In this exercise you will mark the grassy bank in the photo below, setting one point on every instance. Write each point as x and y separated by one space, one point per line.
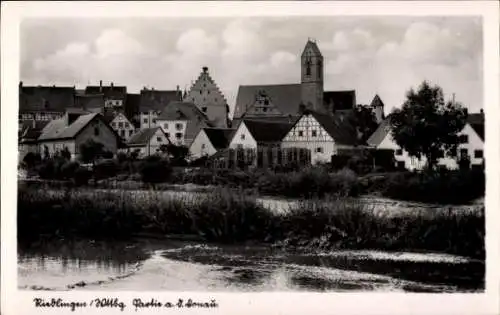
228 217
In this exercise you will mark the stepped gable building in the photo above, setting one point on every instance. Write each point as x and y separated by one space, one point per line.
44 102
287 99
207 96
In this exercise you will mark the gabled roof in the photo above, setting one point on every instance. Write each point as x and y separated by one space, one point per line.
313 46
341 131
376 102
219 137
181 111
107 90
31 130
58 128
156 100
143 136
89 101
476 121
286 97
265 131
45 98
339 100
380 133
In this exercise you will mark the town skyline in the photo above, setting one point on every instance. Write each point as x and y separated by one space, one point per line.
371 55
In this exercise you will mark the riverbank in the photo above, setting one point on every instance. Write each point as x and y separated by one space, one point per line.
229 217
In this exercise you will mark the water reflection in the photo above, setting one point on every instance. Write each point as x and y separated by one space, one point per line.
169 265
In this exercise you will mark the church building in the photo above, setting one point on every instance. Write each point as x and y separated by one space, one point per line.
266 101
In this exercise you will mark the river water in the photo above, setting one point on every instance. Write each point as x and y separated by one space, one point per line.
145 264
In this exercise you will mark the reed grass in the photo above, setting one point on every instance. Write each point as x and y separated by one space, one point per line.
226 216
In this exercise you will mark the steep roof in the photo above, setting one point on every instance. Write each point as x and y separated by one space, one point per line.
58 128
156 100
45 98
143 136
107 90
132 104
313 46
380 133
341 131
286 97
31 130
376 102
476 121
219 137
339 100
177 110
265 131
89 101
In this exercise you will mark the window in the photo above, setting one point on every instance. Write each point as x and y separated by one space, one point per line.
320 67
464 138
167 134
145 120
266 102
127 125
464 153
242 137
120 124
178 135
165 126
204 85
96 131
113 124
399 152
122 133
130 133
203 146
478 154
301 133
204 109
319 150
216 99
201 92
159 139
308 67
314 133
178 126
192 99
208 91
154 121
264 109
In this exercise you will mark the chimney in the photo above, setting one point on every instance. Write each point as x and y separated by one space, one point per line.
481 111
111 84
100 85
205 69
20 84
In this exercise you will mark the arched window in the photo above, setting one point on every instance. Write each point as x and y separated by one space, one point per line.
320 68
308 67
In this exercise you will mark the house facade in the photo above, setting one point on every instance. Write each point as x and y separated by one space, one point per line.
147 142
209 141
123 127
73 130
252 134
321 134
472 146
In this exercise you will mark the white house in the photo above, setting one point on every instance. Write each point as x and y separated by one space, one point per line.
147 142
324 135
74 129
252 134
123 127
473 144
210 140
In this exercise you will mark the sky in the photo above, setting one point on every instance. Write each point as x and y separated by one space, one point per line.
384 55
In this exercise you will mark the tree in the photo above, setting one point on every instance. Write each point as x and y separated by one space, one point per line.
365 121
426 125
178 154
66 154
90 150
154 170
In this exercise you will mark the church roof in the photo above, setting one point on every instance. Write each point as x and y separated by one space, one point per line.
340 100
314 47
286 97
376 102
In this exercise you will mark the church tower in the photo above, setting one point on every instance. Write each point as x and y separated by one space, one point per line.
312 77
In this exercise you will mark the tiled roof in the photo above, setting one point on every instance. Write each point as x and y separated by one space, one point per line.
143 136
313 46
58 128
286 97
132 104
376 102
90 102
219 137
45 98
107 90
265 131
380 133
156 100
342 132
476 121
31 130
339 100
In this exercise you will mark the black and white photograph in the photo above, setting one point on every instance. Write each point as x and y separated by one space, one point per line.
250 154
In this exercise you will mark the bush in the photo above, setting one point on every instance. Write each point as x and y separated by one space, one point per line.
68 169
31 159
82 176
105 169
154 170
